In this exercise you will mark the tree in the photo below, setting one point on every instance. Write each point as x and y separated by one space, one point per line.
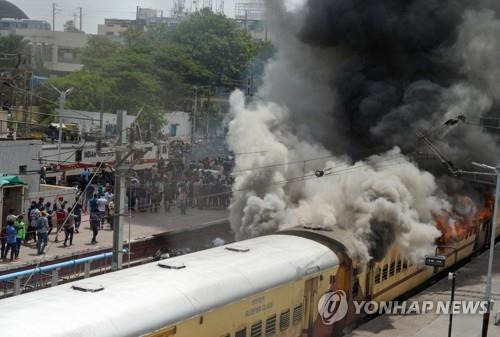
99 49
156 70
69 26
13 44
216 43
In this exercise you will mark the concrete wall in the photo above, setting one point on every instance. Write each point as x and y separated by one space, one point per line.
50 193
183 122
15 153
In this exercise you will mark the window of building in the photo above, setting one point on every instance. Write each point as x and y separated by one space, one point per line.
271 326
398 266
23 169
110 33
297 315
285 320
241 333
405 264
256 329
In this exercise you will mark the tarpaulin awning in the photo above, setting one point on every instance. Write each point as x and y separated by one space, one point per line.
10 180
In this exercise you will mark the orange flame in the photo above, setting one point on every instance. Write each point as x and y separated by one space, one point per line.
455 225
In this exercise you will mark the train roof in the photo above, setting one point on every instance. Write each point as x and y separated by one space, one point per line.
145 298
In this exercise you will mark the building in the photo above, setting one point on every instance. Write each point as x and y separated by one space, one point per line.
251 16
114 28
58 51
146 18
22 155
89 121
13 24
8 10
178 125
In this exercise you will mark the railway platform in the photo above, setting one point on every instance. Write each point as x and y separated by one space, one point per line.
142 226
470 285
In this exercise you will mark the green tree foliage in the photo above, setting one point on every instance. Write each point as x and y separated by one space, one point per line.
12 44
216 43
69 26
157 70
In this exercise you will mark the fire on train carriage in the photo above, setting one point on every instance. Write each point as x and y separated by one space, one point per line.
274 285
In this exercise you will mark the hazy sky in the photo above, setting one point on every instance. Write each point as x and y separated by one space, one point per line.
95 11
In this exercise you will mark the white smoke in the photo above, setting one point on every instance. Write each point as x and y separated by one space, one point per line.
382 200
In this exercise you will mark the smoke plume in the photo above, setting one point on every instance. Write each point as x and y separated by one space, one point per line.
350 86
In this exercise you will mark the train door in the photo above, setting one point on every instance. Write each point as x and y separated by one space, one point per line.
310 305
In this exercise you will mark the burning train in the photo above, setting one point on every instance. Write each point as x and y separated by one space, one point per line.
266 286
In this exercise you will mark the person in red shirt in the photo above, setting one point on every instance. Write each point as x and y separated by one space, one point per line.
61 215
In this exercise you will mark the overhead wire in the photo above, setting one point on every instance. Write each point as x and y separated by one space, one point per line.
94 174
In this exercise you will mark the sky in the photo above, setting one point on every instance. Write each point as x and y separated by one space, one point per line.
95 11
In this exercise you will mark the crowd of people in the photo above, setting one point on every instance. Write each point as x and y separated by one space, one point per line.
202 184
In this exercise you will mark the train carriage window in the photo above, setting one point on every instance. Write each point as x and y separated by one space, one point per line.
241 333
398 266
378 273
392 268
256 330
385 272
355 288
297 315
271 326
284 320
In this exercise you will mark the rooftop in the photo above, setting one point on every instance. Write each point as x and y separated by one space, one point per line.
8 10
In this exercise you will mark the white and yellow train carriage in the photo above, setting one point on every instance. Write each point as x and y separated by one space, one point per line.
252 288
263 287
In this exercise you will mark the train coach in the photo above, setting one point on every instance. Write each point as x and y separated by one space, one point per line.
273 285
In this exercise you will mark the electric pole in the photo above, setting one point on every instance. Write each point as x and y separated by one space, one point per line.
54 16
120 189
81 16
487 297
62 102
193 119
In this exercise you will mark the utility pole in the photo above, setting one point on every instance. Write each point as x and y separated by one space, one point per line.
193 119
54 16
120 190
81 16
487 296
62 102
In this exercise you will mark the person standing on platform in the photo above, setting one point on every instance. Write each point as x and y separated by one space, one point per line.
21 234
11 216
69 228
11 240
102 204
42 230
77 211
111 213
93 204
95 224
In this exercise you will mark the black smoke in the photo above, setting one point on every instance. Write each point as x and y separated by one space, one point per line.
400 71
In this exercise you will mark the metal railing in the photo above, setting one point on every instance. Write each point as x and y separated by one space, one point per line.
50 276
